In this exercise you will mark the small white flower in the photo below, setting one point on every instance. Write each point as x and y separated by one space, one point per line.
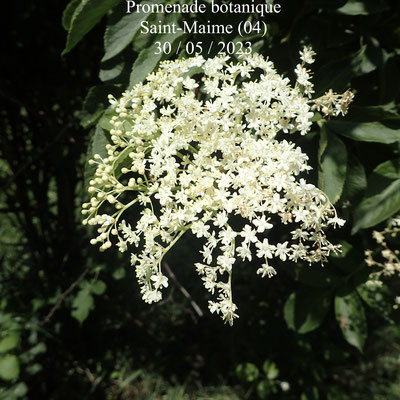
307 55
159 280
282 250
266 270
265 249
262 224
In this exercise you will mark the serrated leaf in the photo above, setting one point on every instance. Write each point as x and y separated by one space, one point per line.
121 31
350 316
145 63
68 13
98 287
109 73
9 343
82 304
305 309
116 71
9 367
148 60
86 15
96 102
382 198
333 165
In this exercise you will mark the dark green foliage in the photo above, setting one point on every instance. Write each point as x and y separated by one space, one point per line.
72 323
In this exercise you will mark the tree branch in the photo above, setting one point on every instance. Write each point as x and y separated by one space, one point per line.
195 306
62 297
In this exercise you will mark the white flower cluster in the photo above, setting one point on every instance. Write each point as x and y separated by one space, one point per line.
385 261
195 147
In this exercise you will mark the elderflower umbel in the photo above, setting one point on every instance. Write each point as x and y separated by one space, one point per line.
196 144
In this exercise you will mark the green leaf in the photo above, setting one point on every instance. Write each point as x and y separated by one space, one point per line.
382 198
147 60
9 343
38 349
145 63
119 273
247 372
368 124
97 145
113 72
117 70
311 30
19 390
104 121
82 304
96 102
121 161
350 316
9 367
99 287
364 7
264 389
338 73
365 131
314 276
356 180
378 298
305 309
270 369
121 31
389 169
323 143
333 165
33 369
68 13
390 81
349 260
86 15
